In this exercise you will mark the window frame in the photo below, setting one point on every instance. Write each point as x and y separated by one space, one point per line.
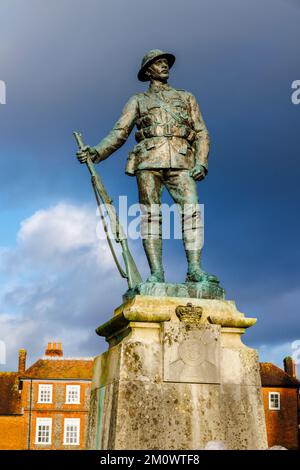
68 387
274 408
37 424
67 421
40 390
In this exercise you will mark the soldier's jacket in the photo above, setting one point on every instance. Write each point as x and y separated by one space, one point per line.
170 131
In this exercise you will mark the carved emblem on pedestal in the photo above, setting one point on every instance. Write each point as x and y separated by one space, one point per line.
191 354
189 313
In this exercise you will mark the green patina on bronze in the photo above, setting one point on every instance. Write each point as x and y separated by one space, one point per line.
171 151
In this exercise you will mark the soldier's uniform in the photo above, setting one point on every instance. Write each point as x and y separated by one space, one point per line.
164 142
171 139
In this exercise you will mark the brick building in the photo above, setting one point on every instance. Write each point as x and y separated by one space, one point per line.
280 389
46 406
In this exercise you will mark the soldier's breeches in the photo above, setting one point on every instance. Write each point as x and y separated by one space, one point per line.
150 189
182 188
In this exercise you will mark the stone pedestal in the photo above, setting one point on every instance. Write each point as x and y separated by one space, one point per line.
176 375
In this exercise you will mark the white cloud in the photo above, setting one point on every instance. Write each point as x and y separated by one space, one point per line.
53 237
277 352
63 227
58 283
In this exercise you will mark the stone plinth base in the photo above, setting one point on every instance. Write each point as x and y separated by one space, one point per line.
176 375
192 290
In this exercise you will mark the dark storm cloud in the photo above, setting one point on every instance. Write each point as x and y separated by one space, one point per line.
72 64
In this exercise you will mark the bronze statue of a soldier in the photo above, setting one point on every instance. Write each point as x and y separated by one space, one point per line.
172 150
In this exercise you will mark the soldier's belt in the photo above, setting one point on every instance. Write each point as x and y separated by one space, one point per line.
166 131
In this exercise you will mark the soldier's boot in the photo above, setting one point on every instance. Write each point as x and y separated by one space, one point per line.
195 272
153 250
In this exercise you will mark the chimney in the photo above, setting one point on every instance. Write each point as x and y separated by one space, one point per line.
22 361
54 350
289 366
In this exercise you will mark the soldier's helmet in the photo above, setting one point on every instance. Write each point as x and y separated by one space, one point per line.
151 57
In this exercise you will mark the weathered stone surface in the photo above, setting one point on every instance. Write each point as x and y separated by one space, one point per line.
157 309
242 410
174 384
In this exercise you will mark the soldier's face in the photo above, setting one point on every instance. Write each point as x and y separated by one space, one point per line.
159 70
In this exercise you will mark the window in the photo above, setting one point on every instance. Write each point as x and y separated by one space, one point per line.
45 393
43 431
71 431
73 394
274 401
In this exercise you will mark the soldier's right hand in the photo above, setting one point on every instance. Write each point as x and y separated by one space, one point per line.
83 154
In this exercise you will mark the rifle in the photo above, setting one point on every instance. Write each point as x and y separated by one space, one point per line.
131 272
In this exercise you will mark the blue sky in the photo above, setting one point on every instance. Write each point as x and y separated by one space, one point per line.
72 64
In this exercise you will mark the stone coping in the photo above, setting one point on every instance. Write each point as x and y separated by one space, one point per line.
149 309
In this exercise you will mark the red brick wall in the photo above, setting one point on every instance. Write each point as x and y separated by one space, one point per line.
282 425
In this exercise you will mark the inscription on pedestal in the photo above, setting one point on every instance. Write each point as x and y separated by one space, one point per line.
191 353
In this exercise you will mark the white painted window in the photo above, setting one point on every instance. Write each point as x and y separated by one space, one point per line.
73 394
274 401
71 431
43 430
45 393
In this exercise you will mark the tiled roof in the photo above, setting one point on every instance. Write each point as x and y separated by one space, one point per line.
60 368
273 376
10 399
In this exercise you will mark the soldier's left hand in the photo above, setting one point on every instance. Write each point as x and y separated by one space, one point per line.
198 172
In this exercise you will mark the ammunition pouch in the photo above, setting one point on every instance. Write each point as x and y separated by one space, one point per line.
166 130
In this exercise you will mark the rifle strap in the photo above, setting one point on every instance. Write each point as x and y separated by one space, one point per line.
169 111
